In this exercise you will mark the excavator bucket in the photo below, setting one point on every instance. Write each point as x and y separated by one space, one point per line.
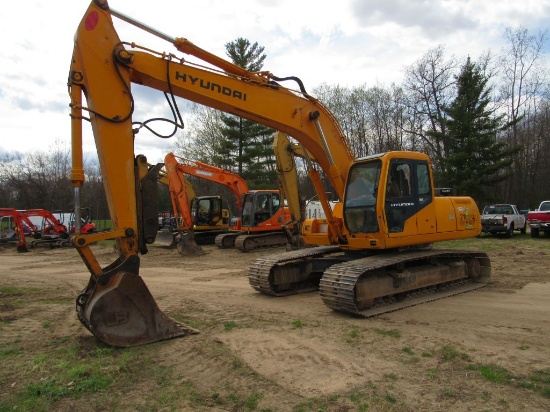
22 248
119 310
165 239
187 246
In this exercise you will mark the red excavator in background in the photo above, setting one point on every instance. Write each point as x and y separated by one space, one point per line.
38 224
14 227
86 224
51 231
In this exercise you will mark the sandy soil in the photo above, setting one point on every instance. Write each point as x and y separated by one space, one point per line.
295 348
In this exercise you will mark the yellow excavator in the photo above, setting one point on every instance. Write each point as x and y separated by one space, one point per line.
372 246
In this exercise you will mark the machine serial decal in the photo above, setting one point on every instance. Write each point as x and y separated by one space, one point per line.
226 91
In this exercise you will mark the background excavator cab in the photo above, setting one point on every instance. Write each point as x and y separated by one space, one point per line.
259 207
207 212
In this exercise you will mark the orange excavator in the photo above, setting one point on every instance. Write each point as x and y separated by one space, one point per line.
263 215
198 218
373 253
262 212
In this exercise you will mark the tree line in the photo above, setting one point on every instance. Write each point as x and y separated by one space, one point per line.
485 124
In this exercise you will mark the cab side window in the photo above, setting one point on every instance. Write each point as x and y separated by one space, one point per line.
423 183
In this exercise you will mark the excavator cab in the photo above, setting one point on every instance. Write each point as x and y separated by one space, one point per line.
207 213
259 207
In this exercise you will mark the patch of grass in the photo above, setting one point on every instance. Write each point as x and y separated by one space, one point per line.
229 326
297 324
13 291
393 333
433 373
390 398
63 372
538 381
248 403
523 347
352 335
391 376
494 373
408 350
359 398
411 361
541 376
9 350
494 243
449 353
449 392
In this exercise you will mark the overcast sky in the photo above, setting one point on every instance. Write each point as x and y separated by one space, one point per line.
346 42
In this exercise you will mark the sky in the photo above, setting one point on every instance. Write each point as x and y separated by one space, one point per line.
345 42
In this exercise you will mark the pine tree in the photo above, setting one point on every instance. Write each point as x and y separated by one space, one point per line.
476 159
247 143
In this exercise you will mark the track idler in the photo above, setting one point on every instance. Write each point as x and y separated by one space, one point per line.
119 310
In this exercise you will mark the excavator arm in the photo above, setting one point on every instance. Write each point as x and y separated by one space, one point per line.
177 185
202 170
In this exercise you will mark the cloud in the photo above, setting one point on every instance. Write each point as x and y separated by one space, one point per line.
350 42
433 17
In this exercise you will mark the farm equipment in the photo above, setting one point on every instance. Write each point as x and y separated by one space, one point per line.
373 253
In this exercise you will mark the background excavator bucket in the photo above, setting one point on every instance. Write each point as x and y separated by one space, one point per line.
165 239
22 248
122 312
187 245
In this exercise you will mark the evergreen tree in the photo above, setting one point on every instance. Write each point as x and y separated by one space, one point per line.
247 143
476 158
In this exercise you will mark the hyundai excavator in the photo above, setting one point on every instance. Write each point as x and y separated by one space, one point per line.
372 252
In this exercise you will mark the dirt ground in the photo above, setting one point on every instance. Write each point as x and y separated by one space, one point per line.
300 355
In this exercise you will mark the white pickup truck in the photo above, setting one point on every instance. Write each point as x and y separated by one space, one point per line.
502 218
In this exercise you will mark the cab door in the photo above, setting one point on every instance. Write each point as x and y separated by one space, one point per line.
401 201
425 215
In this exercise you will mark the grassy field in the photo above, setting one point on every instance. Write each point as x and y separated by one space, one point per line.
46 372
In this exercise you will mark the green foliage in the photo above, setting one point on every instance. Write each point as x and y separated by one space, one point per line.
391 333
494 373
449 353
297 324
245 145
408 350
229 326
474 158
